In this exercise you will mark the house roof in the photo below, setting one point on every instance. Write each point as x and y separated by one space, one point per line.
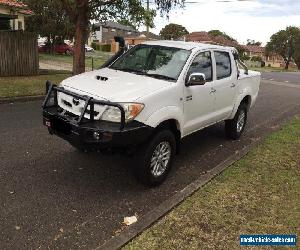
254 48
201 36
114 25
23 8
150 35
187 45
204 37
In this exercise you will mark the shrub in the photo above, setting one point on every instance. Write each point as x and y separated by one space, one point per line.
105 47
245 58
256 59
94 45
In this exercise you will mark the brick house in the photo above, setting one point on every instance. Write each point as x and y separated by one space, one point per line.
12 15
255 51
204 37
105 32
200 37
271 59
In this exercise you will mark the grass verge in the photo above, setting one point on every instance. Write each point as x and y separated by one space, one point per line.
35 85
27 85
259 194
98 57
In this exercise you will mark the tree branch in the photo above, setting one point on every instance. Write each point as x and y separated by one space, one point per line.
70 11
98 4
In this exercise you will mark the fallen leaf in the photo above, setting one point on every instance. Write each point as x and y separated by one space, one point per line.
130 220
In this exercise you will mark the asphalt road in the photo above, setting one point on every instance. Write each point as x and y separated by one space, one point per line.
53 197
288 77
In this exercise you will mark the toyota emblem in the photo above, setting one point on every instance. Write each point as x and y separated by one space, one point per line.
75 101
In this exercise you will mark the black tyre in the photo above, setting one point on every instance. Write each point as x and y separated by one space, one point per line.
235 127
155 159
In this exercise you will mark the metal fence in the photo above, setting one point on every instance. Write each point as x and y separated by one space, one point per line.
18 53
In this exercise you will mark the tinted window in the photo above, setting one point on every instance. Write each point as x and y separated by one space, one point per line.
223 64
202 64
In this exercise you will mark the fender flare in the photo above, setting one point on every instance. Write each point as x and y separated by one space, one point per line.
240 97
164 114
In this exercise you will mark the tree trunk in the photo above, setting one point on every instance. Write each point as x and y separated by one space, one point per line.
287 63
80 37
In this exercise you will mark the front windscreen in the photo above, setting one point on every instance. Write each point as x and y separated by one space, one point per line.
153 61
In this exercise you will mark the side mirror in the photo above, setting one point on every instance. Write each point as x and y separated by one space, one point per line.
196 79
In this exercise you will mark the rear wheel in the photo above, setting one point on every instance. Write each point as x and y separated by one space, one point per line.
235 127
155 159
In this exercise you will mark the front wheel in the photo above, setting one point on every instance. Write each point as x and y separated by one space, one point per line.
235 127
155 159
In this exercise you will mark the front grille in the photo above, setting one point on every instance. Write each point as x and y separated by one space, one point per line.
67 103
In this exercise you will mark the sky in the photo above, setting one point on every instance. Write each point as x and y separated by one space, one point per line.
242 20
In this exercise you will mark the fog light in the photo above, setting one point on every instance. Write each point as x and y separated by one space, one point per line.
107 136
96 135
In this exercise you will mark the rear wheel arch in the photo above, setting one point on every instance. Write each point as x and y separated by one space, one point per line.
240 100
246 100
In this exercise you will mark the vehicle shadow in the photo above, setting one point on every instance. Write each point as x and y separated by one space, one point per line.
113 172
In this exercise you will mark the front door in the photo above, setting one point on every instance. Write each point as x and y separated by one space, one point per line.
199 100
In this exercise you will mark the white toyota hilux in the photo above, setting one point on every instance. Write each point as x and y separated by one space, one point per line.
150 97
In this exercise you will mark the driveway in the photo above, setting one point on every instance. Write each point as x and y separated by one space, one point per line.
55 197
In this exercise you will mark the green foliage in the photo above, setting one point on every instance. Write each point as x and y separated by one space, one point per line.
296 55
131 11
215 33
49 20
94 45
284 43
101 47
105 47
253 42
173 31
244 57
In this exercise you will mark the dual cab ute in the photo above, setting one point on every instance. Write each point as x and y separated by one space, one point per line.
150 97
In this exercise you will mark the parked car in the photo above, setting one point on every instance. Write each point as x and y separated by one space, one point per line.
61 48
88 48
150 98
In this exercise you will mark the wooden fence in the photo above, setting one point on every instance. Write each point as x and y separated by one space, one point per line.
18 53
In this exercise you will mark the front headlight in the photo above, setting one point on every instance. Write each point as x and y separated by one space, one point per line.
113 114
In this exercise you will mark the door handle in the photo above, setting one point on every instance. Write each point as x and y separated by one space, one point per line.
213 90
232 85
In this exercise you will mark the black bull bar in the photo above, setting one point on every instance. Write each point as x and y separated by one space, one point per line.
89 102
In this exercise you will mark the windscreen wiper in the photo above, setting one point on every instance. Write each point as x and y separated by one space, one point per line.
138 72
158 76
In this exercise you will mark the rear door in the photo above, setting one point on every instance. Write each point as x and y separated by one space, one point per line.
225 84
